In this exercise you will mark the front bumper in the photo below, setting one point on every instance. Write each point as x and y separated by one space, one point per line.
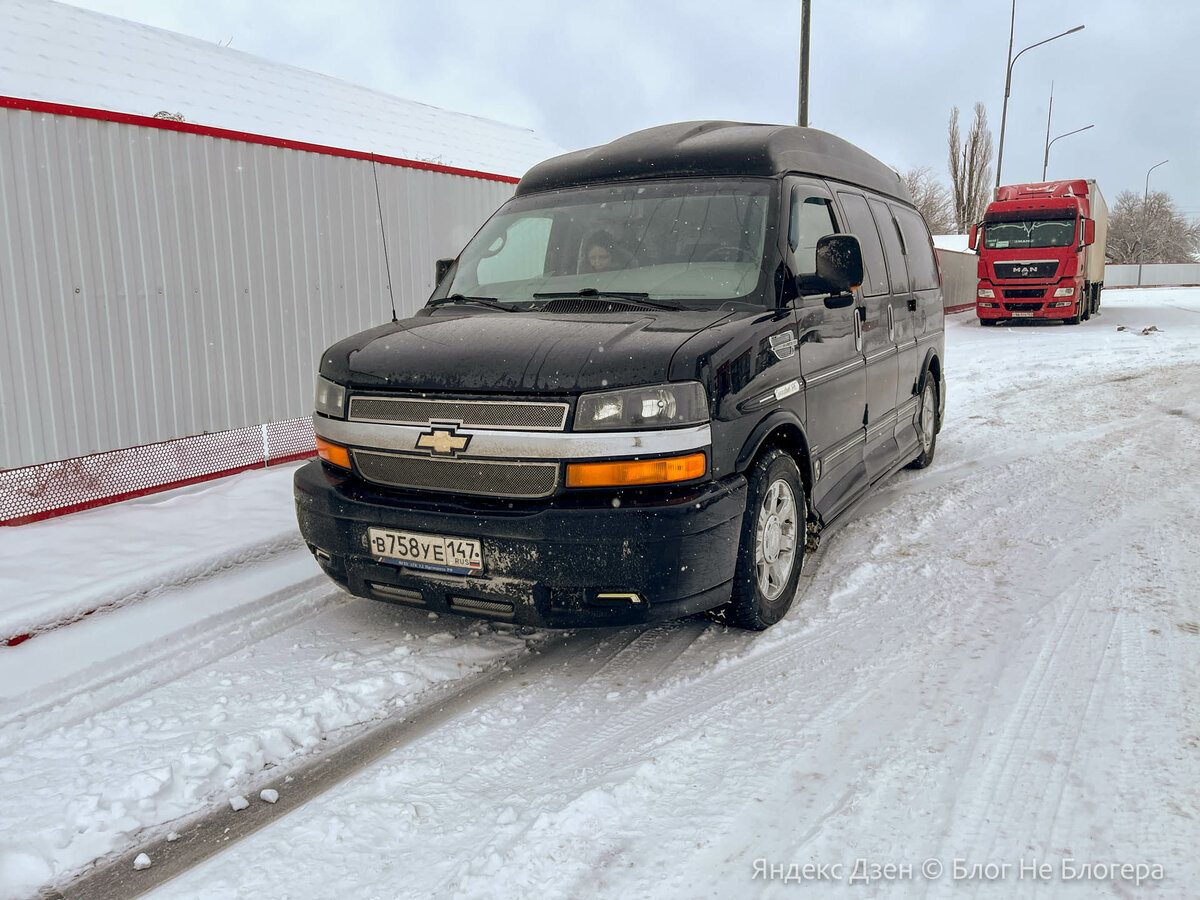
1044 305
543 564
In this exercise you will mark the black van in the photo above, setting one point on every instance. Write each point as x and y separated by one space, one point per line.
642 389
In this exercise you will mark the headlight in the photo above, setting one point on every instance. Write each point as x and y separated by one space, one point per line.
1065 292
656 406
331 399
985 292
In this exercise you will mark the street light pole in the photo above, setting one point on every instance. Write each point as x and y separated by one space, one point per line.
1049 113
805 17
1046 160
1142 237
1008 83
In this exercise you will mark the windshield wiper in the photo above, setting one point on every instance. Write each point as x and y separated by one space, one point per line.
637 298
489 302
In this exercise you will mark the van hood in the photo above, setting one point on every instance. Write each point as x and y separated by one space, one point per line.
526 352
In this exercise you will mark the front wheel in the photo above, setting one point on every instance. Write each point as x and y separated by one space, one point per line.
926 423
774 531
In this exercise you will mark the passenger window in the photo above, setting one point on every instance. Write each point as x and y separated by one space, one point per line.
811 220
862 226
891 245
519 253
922 266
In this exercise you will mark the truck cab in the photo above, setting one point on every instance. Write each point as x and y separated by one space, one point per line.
641 391
1041 253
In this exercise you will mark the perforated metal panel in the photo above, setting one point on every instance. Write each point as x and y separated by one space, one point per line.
37 492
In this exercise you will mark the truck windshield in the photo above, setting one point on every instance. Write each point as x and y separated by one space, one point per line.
1039 233
696 242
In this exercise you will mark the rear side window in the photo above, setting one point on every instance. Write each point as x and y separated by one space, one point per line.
922 267
891 245
811 220
862 226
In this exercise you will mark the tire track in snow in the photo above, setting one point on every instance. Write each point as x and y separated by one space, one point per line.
214 832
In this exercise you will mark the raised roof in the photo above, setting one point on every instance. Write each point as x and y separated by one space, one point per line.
717 148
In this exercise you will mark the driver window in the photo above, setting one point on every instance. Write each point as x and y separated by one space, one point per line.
519 253
811 220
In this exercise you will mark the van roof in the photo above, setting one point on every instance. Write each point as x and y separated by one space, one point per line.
716 148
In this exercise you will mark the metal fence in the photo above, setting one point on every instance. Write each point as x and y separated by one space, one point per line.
160 280
1156 275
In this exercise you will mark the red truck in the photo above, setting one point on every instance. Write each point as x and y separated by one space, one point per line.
1041 252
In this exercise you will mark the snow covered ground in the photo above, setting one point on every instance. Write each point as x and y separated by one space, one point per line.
994 665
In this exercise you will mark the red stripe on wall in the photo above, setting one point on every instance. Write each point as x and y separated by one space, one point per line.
106 115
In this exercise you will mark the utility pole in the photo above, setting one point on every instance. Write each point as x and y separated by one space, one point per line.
805 17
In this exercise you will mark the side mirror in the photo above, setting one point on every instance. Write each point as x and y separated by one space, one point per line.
1089 232
840 262
973 237
441 267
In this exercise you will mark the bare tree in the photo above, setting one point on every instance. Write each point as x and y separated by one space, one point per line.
932 198
970 168
1150 232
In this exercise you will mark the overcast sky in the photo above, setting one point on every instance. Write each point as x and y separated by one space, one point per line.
884 73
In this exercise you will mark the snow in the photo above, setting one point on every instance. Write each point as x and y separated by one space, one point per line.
994 663
63 54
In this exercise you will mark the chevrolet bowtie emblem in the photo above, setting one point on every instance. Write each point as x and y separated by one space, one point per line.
443 441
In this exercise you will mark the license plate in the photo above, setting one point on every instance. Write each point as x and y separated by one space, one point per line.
1018 314
435 552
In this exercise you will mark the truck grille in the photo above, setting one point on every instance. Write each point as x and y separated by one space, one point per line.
1022 307
1026 294
479 477
503 415
1038 268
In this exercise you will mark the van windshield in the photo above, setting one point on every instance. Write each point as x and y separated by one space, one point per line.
1040 233
696 242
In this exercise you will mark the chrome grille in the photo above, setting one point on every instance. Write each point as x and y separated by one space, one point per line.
1025 293
479 477
1022 307
499 414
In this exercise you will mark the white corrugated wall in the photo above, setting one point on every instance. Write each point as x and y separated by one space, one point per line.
156 284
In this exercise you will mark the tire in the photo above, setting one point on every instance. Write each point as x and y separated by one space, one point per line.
774 533
1080 313
926 422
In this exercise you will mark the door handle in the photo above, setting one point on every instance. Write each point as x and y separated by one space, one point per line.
862 313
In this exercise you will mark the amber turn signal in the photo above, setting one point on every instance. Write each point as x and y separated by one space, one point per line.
642 471
335 454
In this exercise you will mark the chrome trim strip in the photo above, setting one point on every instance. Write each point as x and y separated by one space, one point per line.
882 354
908 406
840 369
848 444
888 421
520 445
932 336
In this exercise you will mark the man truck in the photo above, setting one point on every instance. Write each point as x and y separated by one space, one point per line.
1041 252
